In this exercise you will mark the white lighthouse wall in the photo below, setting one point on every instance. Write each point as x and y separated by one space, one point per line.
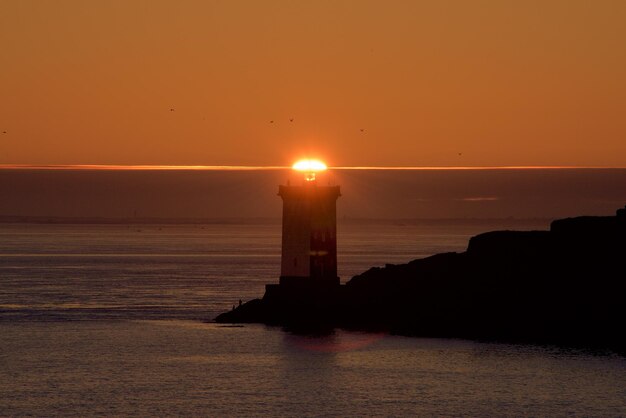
323 259
296 243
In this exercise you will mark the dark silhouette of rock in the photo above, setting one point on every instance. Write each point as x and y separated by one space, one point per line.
566 285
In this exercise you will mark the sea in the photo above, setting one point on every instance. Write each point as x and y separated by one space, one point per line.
117 320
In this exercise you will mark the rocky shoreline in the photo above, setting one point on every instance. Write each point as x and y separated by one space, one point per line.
563 285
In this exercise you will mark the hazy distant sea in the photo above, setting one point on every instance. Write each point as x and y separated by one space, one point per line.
109 320
366 194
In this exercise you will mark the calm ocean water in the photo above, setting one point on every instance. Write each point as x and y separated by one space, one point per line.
101 320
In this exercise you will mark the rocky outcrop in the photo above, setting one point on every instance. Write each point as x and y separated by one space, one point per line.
567 285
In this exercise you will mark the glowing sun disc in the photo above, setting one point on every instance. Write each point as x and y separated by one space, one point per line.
310 166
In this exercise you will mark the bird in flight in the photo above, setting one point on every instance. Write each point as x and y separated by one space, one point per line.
290 119
362 129
271 121
171 109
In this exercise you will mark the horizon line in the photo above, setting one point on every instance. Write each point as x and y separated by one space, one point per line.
147 167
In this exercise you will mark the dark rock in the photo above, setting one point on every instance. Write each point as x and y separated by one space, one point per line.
566 285
251 311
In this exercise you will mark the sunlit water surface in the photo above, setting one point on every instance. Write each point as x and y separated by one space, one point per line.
108 320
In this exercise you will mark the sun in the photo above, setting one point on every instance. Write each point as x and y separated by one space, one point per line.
310 167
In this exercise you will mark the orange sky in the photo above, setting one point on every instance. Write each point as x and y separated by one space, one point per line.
500 82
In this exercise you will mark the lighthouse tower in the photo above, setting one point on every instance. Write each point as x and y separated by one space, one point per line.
309 235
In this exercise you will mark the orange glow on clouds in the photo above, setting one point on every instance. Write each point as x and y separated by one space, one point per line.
364 83
111 167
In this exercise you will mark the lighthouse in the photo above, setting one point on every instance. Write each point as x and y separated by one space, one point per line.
309 229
